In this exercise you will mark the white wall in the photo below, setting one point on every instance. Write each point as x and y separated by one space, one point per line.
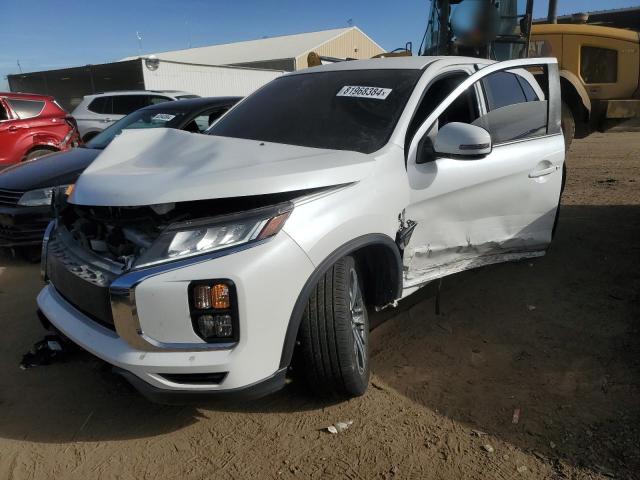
206 80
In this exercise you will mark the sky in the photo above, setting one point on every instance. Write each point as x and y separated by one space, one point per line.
67 33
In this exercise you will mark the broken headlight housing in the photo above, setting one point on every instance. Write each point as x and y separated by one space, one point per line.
197 237
39 197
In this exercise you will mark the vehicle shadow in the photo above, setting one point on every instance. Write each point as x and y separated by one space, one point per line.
542 354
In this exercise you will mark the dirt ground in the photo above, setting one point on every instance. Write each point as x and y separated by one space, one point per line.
556 339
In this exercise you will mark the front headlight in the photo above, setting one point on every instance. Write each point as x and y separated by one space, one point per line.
40 197
188 239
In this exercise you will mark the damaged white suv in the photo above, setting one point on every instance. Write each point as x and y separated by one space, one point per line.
203 264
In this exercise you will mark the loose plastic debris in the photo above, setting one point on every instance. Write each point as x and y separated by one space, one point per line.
339 427
49 350
488 448
531 308
516 416
522 468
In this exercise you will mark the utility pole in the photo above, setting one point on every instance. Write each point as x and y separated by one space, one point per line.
552 15
186 23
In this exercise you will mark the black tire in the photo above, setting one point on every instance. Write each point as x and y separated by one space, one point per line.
39 152
334 334
568 125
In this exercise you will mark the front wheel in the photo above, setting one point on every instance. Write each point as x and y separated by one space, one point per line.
334 334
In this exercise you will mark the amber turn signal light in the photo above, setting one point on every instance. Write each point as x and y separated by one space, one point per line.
220 296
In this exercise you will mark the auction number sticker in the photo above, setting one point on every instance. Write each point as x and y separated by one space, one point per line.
364 92
164 117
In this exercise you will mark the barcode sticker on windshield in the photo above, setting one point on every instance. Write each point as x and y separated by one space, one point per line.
164 117
364 92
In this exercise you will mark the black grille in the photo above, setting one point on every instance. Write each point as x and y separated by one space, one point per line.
13 235
84 286
9 198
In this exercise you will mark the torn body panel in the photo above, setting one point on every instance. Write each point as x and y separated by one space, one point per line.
424 266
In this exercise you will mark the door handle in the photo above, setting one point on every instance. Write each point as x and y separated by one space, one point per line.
107 120
13 128
543 172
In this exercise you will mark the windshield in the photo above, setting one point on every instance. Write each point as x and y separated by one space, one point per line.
154 118
341 110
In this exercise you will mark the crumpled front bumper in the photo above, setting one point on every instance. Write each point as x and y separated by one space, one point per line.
268 278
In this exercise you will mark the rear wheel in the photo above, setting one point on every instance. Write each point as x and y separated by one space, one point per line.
568 125
334 334
39 152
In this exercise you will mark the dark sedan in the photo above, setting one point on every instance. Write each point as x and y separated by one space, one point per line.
26 189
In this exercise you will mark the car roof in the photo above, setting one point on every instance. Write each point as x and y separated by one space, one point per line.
394 63
188 105
25 96
172 93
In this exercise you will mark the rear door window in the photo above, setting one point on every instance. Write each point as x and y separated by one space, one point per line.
125 104
26 108
154 100
515 112
3 113
100 105
502 89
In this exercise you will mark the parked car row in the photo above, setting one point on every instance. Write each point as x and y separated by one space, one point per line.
26 189
96 112
35 125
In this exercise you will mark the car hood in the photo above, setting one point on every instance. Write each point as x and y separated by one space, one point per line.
146 167
60 168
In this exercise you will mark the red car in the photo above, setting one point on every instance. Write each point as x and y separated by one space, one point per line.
32 126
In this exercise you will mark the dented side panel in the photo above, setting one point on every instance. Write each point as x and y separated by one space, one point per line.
476 212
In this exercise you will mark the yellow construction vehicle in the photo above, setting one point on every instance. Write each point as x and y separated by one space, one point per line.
599 66
600 71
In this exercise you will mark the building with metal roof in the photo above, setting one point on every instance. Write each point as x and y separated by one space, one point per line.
230 69
286 52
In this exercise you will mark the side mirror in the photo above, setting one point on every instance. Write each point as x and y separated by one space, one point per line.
462 140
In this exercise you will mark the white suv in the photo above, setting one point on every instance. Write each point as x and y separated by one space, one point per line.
203 264
96 112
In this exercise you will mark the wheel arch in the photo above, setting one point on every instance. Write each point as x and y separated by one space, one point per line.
577 99
89 135
40 146
369 251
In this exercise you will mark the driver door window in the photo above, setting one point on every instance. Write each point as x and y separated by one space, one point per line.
466 108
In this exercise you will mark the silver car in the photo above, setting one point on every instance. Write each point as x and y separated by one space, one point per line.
97 112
